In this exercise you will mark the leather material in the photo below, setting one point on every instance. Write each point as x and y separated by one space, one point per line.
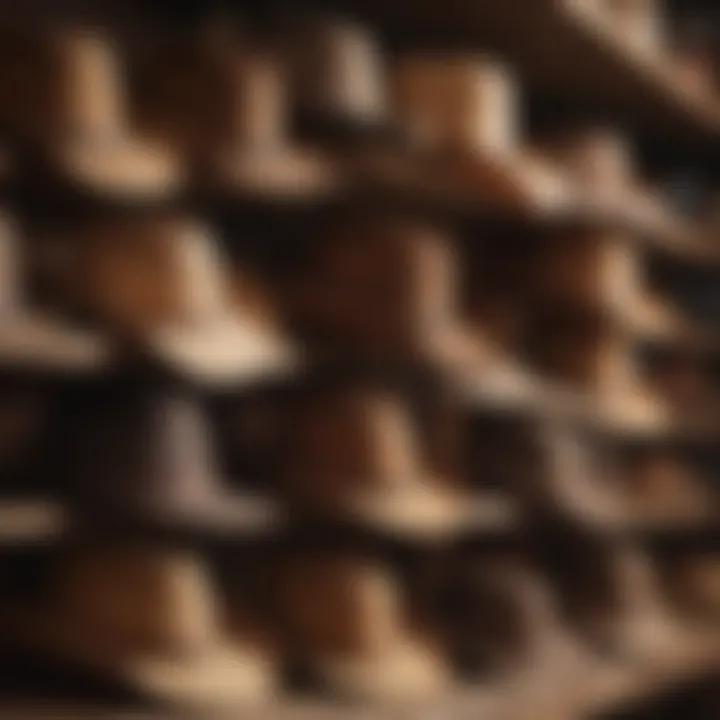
389 288
146 452
336 71
458 102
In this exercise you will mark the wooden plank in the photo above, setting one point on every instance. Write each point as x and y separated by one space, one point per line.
29 521
560 48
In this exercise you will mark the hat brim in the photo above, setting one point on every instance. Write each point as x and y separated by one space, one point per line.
554 677
654 637
44 343
686 507
222 676
598 509
517 181
619 681
483 373
696 590
286 174
660 329
640 214
504 385
227 352
216 515
126 170
568 489
649 323
426 511
640 418
31 520
407 671
502 182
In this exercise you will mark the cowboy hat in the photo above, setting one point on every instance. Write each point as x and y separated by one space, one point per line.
647 626
29 510
389 289
227 109
638 24
566 476
69 94
252 161
599 361
691 393
345 618
142 452
337 73
608 587
660 488
34 337
352 453
504 627
599 163
146 618
628 405
165 284
463 110
599 272
693 582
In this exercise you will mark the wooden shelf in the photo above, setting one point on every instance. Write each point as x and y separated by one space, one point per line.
607 688
560 48
501 188
615 687
25 523
43 345
537 396
563 51
673 236
31 521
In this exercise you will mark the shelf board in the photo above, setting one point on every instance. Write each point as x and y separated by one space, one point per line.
676 237
616 687
560 47
483 185
606 689
27 522
30 521
45 346
48 346
555 400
